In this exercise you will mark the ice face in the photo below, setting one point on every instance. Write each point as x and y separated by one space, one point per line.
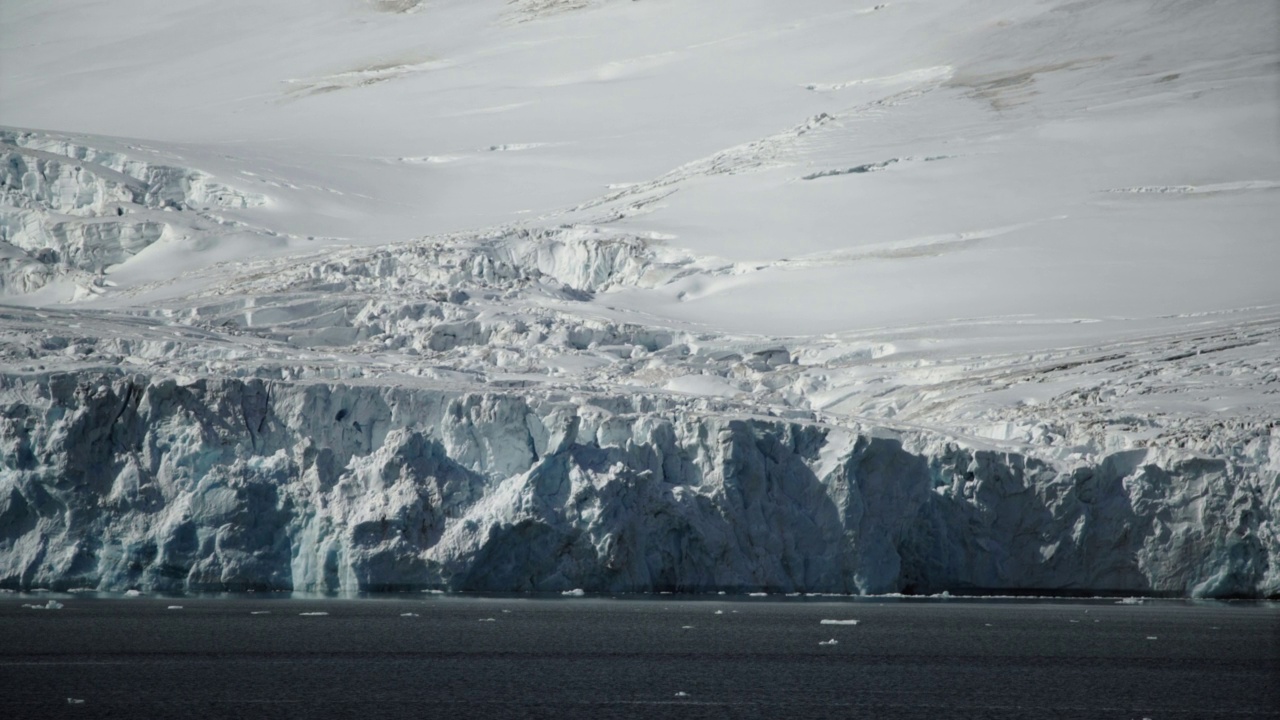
237 484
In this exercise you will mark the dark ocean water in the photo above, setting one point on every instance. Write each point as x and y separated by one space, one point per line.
629 658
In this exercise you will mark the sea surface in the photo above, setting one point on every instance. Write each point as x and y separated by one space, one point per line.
431 656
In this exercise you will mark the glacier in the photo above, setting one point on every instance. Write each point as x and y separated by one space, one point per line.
604 296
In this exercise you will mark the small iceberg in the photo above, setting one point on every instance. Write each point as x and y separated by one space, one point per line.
133 593
51 605
576 592
487 620
832 641
1130 601
686 627
838 622
174 607
259 612
313 614
682 694
719 612
758 594
408 614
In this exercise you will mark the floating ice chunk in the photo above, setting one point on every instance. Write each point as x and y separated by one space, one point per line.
313 614
51 605
719 612
408 614
720 593
686 627
576 592
838 622
759 594
434 592
682 694
132 593
175 607
259 612
487 620
832 641
1130 601
1153 637
75 701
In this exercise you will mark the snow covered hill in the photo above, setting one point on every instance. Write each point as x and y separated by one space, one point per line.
633 295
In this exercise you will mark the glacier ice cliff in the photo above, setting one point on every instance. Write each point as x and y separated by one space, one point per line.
117 480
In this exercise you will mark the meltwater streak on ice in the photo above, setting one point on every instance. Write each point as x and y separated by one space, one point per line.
677 657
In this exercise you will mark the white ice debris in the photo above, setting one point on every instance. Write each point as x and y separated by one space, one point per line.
174 607
1131 601
682 694
832 641
51 605
609 342
409 614
719 612
259 612
487 620
132 593
838 622
313 614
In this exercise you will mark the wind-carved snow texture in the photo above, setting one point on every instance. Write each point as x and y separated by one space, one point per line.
70 209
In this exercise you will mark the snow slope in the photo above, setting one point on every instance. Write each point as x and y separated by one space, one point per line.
624 295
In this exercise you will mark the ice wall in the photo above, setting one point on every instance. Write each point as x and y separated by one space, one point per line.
120 481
